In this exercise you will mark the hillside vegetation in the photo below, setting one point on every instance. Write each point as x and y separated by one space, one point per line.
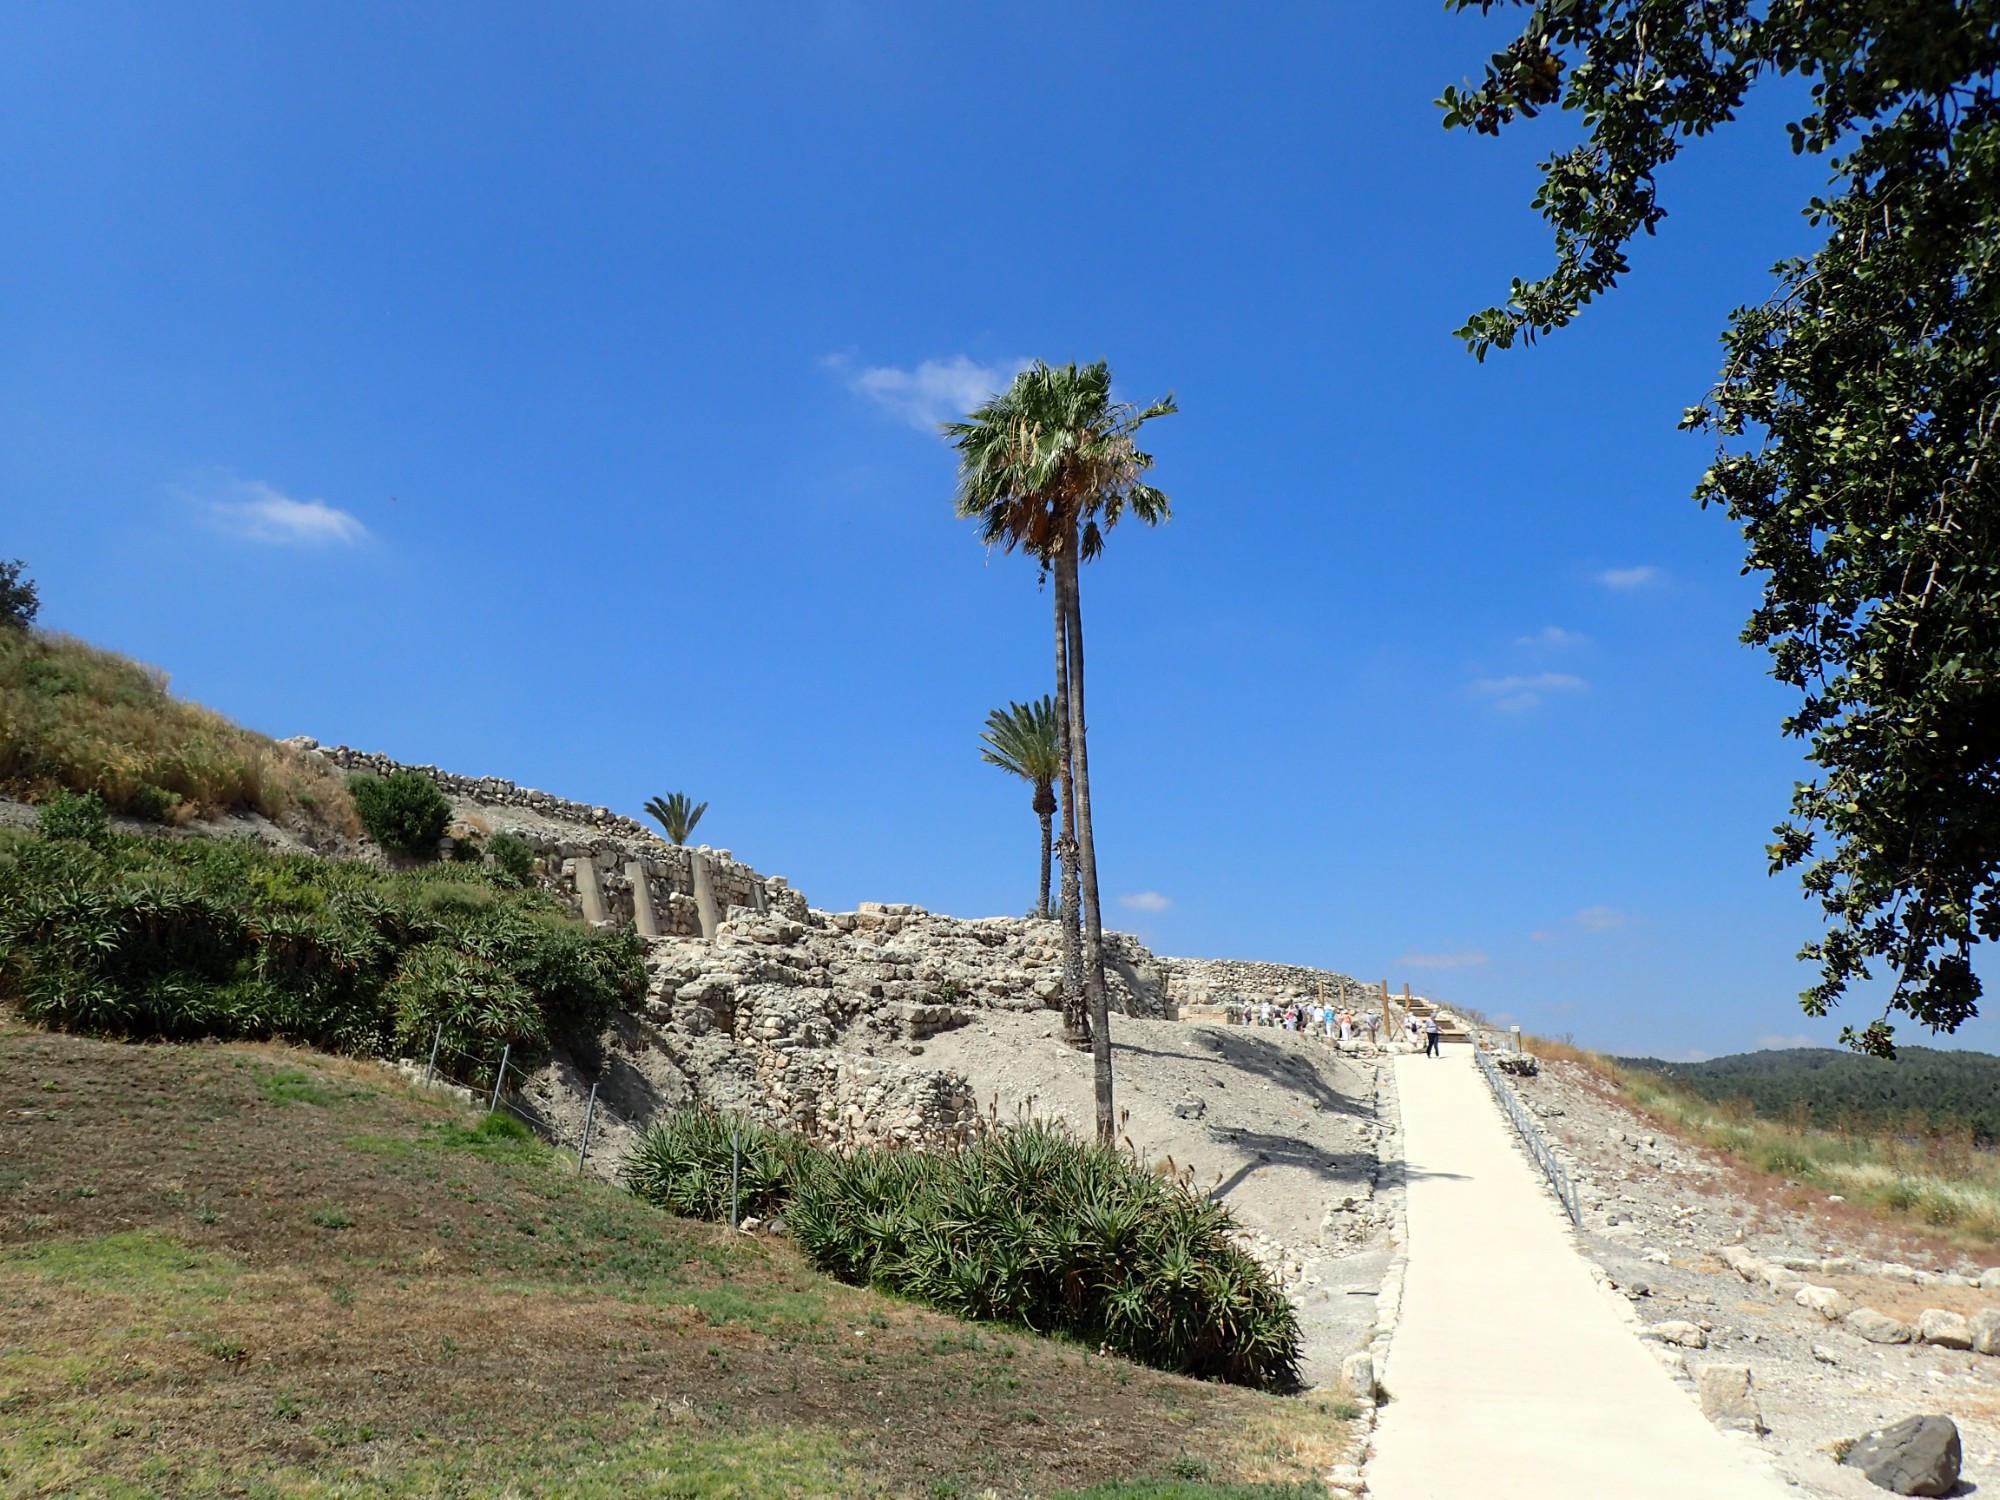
145 937
1920 1091
247 1271
1881 1146
77 718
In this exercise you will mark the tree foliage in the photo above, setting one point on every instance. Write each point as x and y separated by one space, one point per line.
1855 415
20 601
677 813
1022 739
403 811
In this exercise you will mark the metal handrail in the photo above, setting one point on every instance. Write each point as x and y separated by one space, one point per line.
1525 1127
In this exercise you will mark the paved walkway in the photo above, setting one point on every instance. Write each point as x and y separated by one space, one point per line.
1511 1374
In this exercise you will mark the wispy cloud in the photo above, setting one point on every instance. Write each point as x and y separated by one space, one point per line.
1774 1043
937 390
1146 901
1590 919
1624 580
1553 638
255 512
1518 694
1468 958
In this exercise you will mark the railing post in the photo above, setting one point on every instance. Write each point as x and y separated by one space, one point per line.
589 1114
735 1163
500 1078
430 1068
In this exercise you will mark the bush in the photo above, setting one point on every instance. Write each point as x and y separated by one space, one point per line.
68 815
153 803
1029 1227
403 811
192 938
19 601
513 858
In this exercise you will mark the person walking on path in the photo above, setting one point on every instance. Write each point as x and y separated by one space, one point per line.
1370 1022
1431 1037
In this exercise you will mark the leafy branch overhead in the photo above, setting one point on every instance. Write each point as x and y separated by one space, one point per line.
1855 413
676 813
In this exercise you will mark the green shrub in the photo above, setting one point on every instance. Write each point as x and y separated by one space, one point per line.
1029 1227
153 803
403 811
513 857
196 937
19 600
70 815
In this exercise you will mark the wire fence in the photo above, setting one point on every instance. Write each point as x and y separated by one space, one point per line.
498 1082
1531 1136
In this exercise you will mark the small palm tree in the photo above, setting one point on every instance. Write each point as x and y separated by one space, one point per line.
677 814
1021 739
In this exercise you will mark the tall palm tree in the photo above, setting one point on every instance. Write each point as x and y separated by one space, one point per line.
1049 466
677 813
1021 738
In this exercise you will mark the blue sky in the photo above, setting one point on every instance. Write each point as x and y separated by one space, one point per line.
549 395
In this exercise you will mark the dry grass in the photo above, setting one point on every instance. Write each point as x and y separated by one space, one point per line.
252 1271
1940 1184
73 716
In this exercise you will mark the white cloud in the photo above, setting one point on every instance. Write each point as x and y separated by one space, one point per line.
252 510
1780 1043
1470 958
1513 695
1626 579
1553 638
938 390
1146 901
1600 918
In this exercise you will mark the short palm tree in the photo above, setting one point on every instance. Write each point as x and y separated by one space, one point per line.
1021 738
677 814
1050 465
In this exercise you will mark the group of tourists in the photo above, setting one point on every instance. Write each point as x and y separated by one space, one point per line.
1334 1022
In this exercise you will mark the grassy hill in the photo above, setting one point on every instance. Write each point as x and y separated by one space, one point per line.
1922 1090
77 718
245 1270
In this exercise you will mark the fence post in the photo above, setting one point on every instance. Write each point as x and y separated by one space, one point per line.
589 1113
500 1078
735 1164
430 1068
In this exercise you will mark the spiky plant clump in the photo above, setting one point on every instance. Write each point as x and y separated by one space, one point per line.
1029 1226
682 1164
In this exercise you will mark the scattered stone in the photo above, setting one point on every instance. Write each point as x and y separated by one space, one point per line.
1729 1398
1984 1326
1824 1300
1917 1456
1825 1355
1191 1109
1520 1064
1989 1280
1675 1331
1948 1330
1879 1328
1357 1377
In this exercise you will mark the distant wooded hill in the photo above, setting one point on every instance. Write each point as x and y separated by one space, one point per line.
1835 1089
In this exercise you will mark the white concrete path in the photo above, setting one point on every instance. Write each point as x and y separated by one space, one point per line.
1511 1374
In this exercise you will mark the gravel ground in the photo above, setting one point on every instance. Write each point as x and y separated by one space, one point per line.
1657 1214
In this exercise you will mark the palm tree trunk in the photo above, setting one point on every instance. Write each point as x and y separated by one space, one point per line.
1069 590
1042 907
1076 1016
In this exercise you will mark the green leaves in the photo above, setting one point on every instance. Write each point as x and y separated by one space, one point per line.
1868 388
676 813
1029 1226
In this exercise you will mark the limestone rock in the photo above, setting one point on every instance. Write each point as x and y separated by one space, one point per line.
1729 1397
1917 1456
1824 1300
1675 1331
1357 1377
1989 1280
1948 1330
1879 1328
1984 1326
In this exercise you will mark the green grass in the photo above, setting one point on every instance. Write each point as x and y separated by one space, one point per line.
76 718
133 1263
1940 1180
290 1086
